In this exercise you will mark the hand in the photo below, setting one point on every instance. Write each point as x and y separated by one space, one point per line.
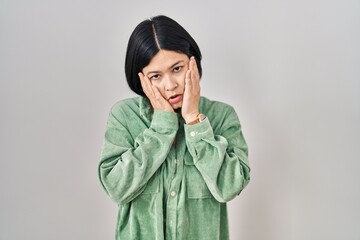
156 99
191 97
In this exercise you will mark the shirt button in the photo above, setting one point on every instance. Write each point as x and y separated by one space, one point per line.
192 134
173 194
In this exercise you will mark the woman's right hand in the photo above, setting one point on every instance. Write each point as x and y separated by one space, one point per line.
156 99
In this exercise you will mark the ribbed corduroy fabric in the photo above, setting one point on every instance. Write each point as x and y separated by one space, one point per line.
172 180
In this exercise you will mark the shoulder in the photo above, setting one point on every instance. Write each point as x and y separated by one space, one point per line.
208 105
126 105
127 102
221 115
123 109
131 109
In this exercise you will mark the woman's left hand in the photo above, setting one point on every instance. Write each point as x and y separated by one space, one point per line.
191 97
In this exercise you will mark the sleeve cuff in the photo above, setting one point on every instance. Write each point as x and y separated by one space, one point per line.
164 120
198 131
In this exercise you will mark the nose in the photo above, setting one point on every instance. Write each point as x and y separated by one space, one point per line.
170 84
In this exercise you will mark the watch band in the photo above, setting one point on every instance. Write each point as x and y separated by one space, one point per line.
199 118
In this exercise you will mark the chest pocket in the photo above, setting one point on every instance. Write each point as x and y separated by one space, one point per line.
195 184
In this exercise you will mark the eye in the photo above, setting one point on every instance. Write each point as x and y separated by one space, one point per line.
177 69
154 77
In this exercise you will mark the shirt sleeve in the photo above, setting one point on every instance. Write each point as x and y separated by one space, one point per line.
221 159
127 164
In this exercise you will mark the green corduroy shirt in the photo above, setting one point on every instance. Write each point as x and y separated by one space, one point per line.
172 180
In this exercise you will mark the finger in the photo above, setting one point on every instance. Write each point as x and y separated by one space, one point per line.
159 102
194 69
188 79
148 85
145 83
142 81
157 93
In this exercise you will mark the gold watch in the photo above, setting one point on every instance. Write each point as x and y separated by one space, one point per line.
199 118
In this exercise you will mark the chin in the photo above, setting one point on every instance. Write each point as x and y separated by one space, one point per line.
177 106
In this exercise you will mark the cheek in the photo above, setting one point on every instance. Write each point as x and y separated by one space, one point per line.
159 86
181 80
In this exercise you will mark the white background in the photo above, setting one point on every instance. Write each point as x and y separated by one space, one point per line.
290 68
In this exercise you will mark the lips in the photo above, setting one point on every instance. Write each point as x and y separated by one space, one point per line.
175 99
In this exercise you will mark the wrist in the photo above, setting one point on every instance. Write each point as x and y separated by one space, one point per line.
190 117
199 118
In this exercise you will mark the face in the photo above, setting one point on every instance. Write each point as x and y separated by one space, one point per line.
166 71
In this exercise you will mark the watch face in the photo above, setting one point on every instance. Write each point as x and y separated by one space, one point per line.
201 117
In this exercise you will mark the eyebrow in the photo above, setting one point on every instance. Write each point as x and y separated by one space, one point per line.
176 63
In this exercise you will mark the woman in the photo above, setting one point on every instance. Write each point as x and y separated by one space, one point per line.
171 159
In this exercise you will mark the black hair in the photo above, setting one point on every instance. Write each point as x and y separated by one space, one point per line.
151 36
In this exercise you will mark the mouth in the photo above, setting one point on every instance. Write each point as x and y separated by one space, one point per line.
175 99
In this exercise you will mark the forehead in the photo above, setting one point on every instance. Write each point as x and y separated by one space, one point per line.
164 60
